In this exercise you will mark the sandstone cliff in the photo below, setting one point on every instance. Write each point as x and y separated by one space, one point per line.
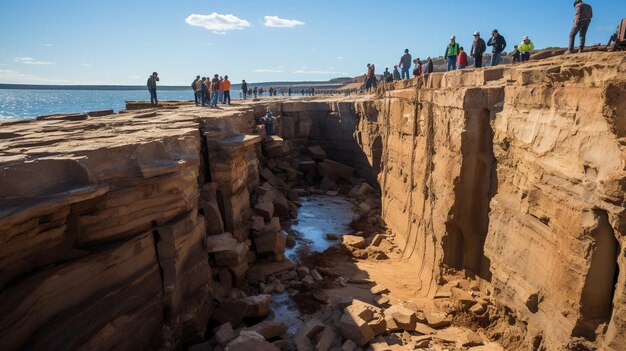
513 174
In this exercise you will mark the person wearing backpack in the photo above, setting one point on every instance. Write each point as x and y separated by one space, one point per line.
452 51
582 19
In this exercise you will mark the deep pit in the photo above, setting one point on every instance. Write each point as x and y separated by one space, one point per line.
480 209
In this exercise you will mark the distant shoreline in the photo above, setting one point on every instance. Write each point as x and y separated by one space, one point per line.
327 84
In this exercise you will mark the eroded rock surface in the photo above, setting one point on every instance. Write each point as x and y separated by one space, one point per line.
129 229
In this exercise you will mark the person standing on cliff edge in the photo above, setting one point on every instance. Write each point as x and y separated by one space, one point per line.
499 44
405 64
452 51
478 49
152 87
582 19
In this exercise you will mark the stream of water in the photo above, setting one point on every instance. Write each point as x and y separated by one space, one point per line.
318 215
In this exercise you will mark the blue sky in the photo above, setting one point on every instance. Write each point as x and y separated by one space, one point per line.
122 42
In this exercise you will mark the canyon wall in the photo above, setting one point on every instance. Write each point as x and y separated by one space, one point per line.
513 174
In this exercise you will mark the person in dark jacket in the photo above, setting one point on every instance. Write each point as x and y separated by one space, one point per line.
396 73
244 89
152 88
405 64
582 19
196 93
204 91
499 44
428 67
515 54
478 49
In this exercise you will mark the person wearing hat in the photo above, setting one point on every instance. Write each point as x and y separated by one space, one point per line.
405 64
417 71
478 49
582 19
525 48
152 88
499 44
396 73
452 50
196 91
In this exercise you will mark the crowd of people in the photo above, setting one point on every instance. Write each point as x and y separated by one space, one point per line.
209 92
456 57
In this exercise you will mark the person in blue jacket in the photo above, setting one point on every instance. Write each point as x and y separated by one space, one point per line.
499 44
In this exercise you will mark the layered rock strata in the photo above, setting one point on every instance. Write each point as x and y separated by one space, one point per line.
109 224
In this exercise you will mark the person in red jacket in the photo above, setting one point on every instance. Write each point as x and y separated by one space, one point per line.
461 60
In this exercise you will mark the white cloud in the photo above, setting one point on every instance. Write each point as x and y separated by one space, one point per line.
48 45
318 72
340 58
31 61
86 64
270 70
217 23
277 22
14 77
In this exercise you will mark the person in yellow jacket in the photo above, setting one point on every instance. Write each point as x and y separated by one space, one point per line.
525 48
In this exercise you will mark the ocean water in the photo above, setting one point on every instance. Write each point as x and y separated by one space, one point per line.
30 103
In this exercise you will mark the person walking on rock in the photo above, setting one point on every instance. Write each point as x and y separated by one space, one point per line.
152 88
582 19
478 49
452 51
525 48
396 73
499 44
462 58
244 89
405 64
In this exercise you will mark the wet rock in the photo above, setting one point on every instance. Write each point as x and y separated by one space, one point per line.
269 329
265 210
290 241
317 153
222 242
308 280
332 236
258 306
363 209
327 184
303 271
250 340
224 334
353 241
